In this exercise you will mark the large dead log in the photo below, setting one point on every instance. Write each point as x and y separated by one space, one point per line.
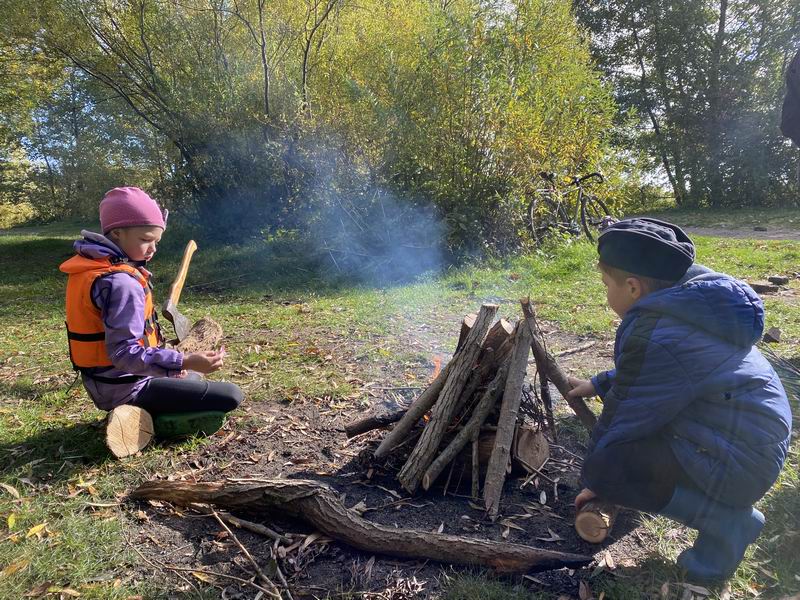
595 520
424 401
449 402
546 362
319 505
507 422
204 335
470 430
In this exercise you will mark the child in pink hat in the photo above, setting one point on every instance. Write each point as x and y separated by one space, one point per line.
115 341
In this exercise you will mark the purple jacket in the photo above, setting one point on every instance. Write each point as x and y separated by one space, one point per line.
120 299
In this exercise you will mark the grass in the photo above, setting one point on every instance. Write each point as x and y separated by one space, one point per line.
294 333
786 219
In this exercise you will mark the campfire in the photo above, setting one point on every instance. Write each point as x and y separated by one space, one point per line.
478 419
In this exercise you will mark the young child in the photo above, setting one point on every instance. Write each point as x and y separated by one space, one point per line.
695 422
114 337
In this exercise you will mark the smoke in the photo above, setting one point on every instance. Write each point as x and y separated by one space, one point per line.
372 236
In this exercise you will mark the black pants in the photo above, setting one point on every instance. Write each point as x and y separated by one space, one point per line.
640 474
192 394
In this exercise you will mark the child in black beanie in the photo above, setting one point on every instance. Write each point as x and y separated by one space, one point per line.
695 423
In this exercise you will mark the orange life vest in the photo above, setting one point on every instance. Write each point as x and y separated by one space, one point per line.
85 328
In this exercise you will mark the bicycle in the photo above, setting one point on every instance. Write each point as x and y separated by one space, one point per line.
552 209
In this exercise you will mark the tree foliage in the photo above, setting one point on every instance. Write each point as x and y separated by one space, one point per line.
259 115
706 80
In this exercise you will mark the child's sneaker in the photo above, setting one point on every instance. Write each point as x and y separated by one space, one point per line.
179 425
128 430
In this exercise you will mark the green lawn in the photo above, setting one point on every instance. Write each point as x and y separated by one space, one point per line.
289 333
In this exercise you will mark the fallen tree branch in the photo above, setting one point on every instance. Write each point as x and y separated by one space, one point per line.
319 505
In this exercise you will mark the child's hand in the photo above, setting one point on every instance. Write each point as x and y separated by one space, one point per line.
204 362
584 497
581 388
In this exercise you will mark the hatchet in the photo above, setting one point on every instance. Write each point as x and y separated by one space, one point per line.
170 307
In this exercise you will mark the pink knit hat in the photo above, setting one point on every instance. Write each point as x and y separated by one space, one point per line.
130 207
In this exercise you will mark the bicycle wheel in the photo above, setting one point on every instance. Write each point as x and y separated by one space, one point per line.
545 215
592 213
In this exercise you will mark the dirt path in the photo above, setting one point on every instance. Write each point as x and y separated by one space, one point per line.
771 233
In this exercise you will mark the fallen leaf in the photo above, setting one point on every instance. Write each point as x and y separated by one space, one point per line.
10 489
36 530
310 539
11 520
554 537
14 567
64 591
203 577
39 590
543 497
696 589
584 593
441 528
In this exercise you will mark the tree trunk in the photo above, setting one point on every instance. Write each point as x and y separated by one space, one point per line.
449 402
548 363
319 505
507 423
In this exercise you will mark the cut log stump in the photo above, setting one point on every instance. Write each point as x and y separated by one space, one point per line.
595 520
320 505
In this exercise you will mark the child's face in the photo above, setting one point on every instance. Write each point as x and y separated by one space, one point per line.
621 295
139 243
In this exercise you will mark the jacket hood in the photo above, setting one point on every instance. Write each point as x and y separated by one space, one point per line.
94 246
719 304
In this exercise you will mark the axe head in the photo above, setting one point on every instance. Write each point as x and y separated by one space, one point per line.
179 322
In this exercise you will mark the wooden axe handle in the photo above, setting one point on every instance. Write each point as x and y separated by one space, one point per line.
177 285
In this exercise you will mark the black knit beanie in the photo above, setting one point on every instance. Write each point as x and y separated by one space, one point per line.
647 247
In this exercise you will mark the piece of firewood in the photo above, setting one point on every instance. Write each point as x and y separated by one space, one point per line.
380 415
496 347
420 406
449 402
476 466
466 325
530 448
507 422
470 429
595 520
547 363
204 335
319 505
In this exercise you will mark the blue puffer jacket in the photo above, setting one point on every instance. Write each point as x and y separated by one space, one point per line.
686 369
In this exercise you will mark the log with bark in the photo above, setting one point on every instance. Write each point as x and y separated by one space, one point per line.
548 363
320 506
595 520
507 422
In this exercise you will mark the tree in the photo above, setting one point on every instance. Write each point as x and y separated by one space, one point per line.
706 79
